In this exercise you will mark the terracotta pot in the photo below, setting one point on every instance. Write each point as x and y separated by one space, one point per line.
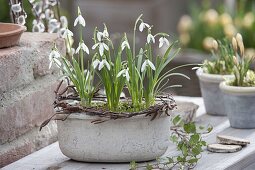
10 34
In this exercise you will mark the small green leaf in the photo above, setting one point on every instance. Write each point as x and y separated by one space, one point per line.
196 151
194 160
176 120
190 127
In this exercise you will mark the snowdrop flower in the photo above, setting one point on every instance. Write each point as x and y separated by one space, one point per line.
21 20
64 22
162 41
102 47
49 14
67 33
16 8
124 45
124 73
105 33
150 38
53 57
72 51
38 27
54 26
52 2
83 47
61 32
80 20
104 63
37 7
146 63
143 25
95 63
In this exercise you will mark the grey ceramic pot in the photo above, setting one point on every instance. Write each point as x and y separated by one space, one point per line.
211 93
239 105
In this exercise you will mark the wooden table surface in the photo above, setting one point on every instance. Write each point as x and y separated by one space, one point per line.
51 157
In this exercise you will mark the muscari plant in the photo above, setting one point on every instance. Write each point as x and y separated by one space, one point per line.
119 66
243 75
222 62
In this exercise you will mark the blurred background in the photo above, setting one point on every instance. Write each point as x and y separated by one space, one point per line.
192 22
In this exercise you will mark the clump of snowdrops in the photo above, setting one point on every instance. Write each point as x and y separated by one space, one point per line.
119 67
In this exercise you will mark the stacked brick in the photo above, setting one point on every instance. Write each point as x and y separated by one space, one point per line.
26 95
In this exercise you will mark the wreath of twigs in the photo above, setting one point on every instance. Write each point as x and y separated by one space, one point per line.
63 107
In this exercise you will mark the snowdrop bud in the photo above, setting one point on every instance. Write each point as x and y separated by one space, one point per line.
234 44
184 24
21 20
215 45
16 8
64 22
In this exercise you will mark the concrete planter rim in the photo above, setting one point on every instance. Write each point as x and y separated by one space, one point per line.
214 78
246 91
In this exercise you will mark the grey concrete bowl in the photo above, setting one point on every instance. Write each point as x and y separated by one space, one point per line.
213 97
239 105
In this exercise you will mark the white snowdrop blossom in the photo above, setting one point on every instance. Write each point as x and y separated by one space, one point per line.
67 33
150 38
16 8
105 33
95 63
37 7
124 45
162 41
21 20
143 25
83 47
38 27
49 14
52 2
124 73
146 63
53 57
64 22
80 20
72 51
104 63
102 46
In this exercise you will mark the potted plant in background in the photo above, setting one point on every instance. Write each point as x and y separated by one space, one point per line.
121 129
212 73
240 92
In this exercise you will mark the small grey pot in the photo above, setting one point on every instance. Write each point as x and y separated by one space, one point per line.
240 105
211 93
